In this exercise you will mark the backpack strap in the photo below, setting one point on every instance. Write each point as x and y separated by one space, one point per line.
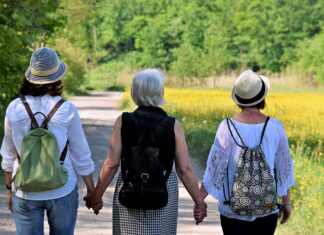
34 123
52 112
228 120
44 125
263 130
226 201
64 152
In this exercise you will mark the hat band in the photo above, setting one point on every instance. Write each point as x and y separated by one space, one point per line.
44 73
256 98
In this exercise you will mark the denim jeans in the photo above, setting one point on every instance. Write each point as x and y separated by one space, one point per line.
61 214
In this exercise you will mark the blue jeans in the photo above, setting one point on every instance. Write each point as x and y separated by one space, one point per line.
61 214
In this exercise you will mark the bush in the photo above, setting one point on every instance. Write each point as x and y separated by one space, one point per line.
115 88
104 77
311 59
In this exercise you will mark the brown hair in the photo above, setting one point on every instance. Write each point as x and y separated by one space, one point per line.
260 105
53 89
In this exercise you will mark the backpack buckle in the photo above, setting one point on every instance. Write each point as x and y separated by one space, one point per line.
145 177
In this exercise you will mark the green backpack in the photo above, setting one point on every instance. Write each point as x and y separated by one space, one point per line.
40 168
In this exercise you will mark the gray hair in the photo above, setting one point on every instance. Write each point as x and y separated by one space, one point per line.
148 88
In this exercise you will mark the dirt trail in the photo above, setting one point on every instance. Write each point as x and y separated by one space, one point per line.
98 113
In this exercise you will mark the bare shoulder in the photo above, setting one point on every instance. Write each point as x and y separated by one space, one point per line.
177 126
118 122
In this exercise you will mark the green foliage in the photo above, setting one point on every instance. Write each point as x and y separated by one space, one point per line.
188 63
197 39
191 39
75 58
23 26
20 31
116 88
104 76
306 195
310 61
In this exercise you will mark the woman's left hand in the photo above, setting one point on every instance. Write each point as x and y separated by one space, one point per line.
285 213
200 212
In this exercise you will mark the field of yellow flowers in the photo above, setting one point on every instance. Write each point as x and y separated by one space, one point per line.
200 111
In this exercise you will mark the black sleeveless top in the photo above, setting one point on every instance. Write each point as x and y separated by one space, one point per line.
144 117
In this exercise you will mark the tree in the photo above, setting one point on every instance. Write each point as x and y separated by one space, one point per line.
310 60
21 31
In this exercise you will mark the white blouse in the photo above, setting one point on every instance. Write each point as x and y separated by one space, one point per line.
225 152
65 124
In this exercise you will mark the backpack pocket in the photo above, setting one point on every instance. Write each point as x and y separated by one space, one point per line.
145 184
146 198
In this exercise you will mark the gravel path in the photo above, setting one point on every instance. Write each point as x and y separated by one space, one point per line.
98 113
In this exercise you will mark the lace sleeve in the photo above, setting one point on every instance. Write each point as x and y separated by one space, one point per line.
284 165
217 162
284 172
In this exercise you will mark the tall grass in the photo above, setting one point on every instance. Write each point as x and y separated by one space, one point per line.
200 112
307 195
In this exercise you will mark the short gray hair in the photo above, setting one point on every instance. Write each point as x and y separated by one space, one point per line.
148 88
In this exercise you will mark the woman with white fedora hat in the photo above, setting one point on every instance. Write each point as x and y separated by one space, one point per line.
41 91
244 144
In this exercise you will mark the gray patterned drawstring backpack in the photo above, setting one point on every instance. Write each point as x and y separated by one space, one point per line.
254 188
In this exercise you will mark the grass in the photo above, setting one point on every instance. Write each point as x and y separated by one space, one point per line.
307 195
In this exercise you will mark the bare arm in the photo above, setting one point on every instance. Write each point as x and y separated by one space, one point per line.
88 180
110 165
8 178
203 191
286 208
184 168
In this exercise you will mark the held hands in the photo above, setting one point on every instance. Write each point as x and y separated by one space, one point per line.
200 212
92 202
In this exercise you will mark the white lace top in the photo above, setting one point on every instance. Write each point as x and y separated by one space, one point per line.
225 152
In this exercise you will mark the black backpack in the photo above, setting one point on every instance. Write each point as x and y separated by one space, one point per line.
144 175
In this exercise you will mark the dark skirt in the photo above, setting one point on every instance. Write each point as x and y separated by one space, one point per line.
156 222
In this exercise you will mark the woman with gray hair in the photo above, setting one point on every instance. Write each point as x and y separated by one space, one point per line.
147 142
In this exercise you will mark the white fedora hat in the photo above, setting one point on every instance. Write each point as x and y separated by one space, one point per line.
250 88
45 67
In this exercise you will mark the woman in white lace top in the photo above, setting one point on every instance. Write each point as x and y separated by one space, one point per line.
245 130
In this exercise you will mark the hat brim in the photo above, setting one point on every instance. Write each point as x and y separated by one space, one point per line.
47 79
267 86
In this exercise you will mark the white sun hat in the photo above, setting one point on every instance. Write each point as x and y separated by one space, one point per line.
250 88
